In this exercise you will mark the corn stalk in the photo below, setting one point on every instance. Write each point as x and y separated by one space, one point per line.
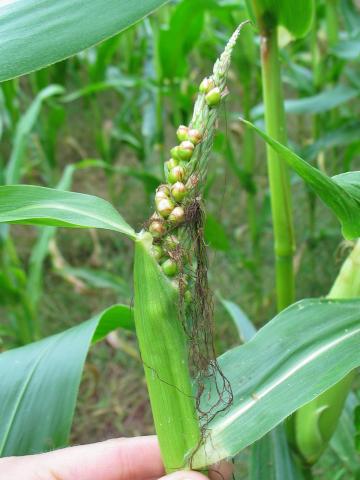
281 202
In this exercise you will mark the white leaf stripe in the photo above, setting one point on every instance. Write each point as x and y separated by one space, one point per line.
229 419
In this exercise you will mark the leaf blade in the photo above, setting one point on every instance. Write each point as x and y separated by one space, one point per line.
340 193
37 33
23 129
44 377
295 345
271 458
34 205
242 322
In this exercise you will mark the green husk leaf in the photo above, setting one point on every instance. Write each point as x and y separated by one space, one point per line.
164 354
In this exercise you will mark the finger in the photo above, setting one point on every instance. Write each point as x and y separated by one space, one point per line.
184 475
221 471
119 459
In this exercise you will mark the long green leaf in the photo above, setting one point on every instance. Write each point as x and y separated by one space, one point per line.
99 279
295 15
178 38
41 247
348 49
34 205
314 424
322 102
40 383
37 33
340 193
243 324
319 103
23 129
343 440
271 458
346 134
302 352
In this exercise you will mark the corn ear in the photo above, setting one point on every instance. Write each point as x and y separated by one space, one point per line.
163 350
347 283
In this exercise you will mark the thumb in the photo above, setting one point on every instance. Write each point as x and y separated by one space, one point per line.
220 471
184 475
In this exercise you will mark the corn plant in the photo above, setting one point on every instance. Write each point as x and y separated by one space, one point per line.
205 408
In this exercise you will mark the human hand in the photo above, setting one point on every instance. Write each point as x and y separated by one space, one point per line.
119 459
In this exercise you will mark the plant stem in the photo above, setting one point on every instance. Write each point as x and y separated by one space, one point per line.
332 22
278 171
248 155
316 121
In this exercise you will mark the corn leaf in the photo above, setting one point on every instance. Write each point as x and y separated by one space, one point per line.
319 103
41 247
34 205
346 134
40 383
348 49
243 324
312 339
340 193
37 33
271 458
98 278
314 424
295 15
23 129
343 441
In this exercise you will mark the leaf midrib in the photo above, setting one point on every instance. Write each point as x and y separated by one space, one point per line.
246 406
55 206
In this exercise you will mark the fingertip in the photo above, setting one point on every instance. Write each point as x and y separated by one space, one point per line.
221 471
185 475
